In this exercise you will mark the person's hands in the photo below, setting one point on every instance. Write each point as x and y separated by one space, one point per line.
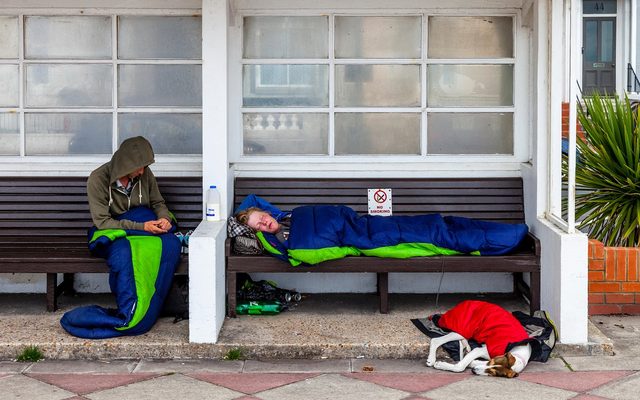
156 226
165 224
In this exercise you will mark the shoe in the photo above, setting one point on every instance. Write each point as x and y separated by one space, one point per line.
185 242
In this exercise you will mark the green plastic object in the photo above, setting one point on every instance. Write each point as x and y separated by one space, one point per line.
259 308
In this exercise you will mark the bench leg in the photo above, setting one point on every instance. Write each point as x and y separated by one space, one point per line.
67 284
52 284
383 292
231 294
534 292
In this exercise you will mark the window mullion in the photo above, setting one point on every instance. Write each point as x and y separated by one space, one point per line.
114 93
331 46
23 82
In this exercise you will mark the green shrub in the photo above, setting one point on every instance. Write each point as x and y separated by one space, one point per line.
30 354
608 171
234 354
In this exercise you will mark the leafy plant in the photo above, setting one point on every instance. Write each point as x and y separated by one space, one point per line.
30 354
234 354
608 171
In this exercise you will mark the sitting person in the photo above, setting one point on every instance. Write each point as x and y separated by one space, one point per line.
312 234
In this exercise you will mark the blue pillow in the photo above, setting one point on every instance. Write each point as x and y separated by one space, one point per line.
254 201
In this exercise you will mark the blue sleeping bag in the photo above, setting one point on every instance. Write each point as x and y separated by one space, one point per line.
321 233
141 268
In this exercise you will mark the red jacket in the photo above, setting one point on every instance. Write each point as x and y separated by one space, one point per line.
485 323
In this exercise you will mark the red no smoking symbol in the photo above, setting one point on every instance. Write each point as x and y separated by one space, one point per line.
380 196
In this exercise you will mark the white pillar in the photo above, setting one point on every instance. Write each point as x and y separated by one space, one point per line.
206 245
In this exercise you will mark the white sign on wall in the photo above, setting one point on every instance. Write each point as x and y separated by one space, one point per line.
380 202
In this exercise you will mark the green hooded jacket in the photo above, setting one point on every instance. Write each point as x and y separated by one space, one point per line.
107 201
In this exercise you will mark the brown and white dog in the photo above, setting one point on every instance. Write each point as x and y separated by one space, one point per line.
491 326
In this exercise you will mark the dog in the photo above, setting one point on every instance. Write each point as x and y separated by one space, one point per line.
491 326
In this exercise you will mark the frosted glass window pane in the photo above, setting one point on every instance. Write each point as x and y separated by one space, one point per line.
67 85
160 85
470 37
67 133
285 85
606 43
168 133
378 85
68 37
286 37
470 133
9 86
285 133
9 134
377 133
591 41
470 85
8 37
378 37
159 37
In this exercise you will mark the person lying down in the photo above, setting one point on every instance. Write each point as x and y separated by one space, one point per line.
313 234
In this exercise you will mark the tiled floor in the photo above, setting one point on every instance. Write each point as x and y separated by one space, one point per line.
302 379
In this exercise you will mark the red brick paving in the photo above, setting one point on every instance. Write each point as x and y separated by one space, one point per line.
588 397
409 382
88 383
251 383
574 381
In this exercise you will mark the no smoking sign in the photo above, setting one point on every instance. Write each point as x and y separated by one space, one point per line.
380 202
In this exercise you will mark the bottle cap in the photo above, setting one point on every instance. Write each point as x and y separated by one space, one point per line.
212 187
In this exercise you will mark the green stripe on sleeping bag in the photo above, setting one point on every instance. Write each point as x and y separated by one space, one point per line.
145 256
408 250
111 234
315 256
268 247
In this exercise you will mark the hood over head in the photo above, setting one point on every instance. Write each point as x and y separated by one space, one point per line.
133 154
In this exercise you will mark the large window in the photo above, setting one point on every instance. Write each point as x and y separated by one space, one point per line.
79 85
409 85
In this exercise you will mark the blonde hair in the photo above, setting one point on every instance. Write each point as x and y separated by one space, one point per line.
243 216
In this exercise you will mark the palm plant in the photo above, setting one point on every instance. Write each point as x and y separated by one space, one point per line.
608 171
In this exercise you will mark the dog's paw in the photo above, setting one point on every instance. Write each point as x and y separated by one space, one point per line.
480 370
430 362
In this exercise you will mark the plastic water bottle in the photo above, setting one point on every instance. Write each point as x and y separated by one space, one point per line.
213 204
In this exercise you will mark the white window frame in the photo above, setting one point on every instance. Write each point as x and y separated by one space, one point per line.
166 164
505 163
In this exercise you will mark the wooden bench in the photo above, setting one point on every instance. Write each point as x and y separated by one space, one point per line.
492 199
44 223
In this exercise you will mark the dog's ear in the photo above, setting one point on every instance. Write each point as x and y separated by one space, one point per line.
501 366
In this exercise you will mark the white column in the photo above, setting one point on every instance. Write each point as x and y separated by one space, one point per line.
206 246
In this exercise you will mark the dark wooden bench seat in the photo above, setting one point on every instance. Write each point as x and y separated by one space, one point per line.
44 223
492 199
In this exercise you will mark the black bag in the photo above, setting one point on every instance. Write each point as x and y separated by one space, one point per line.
177 302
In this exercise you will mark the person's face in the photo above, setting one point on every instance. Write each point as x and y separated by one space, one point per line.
262 221
136 173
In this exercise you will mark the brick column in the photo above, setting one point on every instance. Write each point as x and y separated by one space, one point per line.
614 284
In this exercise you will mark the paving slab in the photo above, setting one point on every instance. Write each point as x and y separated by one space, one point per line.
580 382
386 365
552 364
175 386
486 387
410 382
81 366
182 366
251 383
297 366
624 389
13 366
88 383
332 386
607 363
20 387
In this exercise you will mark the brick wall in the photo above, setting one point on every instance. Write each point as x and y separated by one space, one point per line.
565 123
614 279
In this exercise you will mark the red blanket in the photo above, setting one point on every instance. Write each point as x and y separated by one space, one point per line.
485 323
